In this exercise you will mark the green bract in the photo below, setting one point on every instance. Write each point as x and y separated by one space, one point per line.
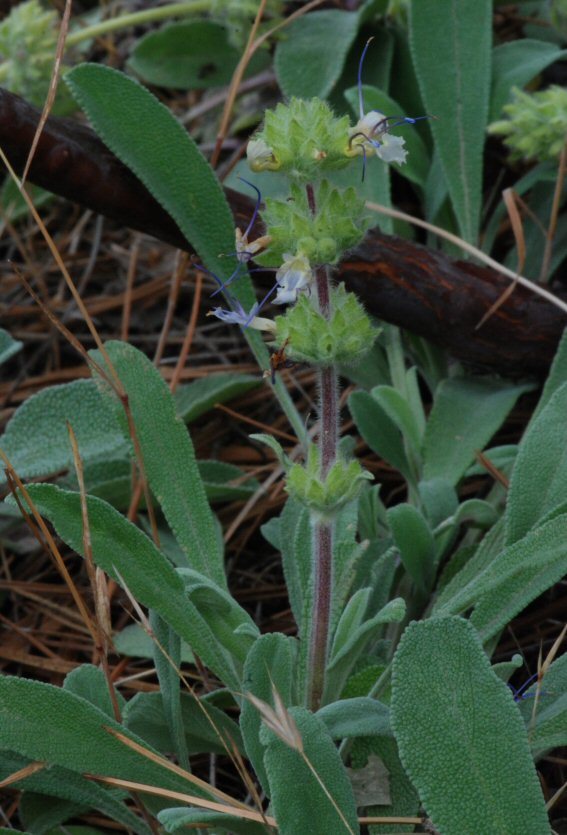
344 338
536 125
28 38
339 224
302 138
342 484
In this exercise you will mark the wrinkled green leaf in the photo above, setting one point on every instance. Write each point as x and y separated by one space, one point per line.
497 581
62 783
448 38
341 665
298 801
295 544
546 719
147 138
36 439
90 683
270 664
168 458
399 410
457 725
129 557
360 716
310 57
167 661
152 143
41 813
539 477
226 482
47 723
556 377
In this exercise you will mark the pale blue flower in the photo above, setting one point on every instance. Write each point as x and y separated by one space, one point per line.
371 134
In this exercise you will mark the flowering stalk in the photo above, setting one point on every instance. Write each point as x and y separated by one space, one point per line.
322 528
323 325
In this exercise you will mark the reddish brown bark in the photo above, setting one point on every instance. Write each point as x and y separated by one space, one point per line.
399 281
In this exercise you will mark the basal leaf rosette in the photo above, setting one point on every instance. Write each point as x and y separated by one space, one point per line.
310 337
303 138
339 224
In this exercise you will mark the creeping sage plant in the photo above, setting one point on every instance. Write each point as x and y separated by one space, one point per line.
324 325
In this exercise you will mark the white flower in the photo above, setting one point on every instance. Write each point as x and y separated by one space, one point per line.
260 156
392 149
294 274
370 136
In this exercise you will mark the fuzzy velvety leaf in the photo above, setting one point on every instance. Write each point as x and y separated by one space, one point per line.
556 377
198 397
413 537
48 723
360 716
298 800
36 439
310 57
457 725
152 143
135 642
129 557
379 431
451 47
514 64
167 661
90 683
465 415
65 784
504 581
168 458
270 663
8 346
546 720
204 725
187 55
539 477
174 819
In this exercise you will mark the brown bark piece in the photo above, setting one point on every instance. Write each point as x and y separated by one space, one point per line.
399 281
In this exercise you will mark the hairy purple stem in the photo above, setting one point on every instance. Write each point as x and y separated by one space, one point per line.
323 528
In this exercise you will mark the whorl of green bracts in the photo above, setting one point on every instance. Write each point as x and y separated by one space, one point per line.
28 39
303 138
536 124
342 485
340 223
309 337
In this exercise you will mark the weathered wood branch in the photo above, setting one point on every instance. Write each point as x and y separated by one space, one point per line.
399 281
